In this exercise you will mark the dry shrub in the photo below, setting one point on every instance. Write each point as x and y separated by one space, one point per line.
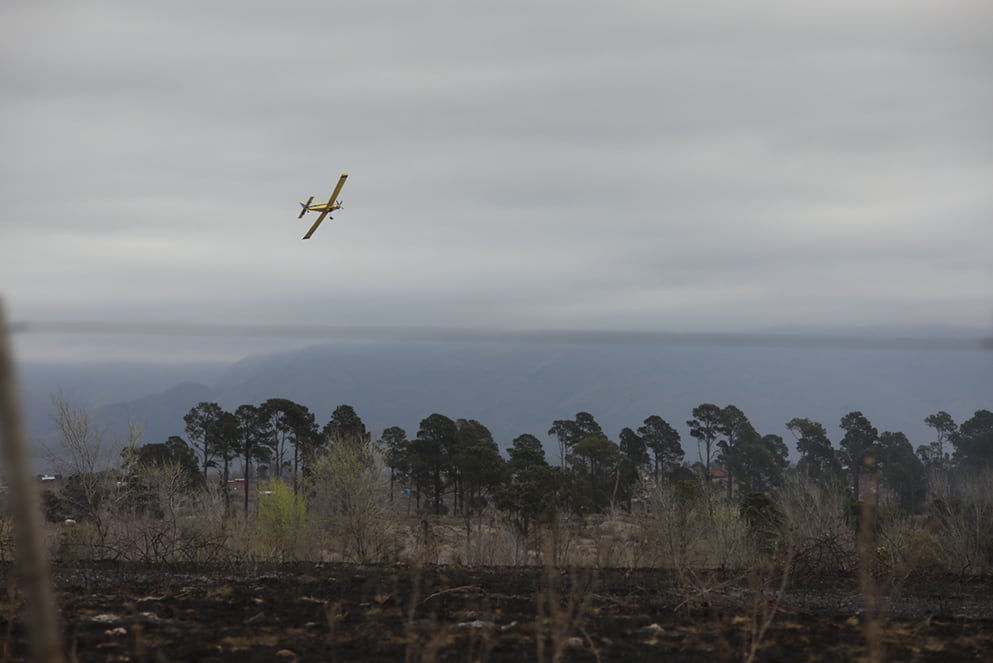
729 545
691 525
516 548
671 532
78 542
818 529
560 541
961 523
493 544
564 603
198 531
902 544
6 532
174 520
616 541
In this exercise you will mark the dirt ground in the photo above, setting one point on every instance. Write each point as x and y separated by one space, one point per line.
339 612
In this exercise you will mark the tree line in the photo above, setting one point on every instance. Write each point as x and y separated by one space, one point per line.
455 465
300 481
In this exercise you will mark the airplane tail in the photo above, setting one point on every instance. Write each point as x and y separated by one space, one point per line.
305 207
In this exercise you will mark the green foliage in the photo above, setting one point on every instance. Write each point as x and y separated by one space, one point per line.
818 459
705 426
571 432
901 471
431 457
935 455
634 462
203 430
739 450
758 463
213 434
295 439
974 442
857 447
535 495
478 468
594 461
280 525
346 427
395 448
255 441
662 440
526 451
173 452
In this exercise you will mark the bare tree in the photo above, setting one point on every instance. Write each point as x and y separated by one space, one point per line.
88 459
351 487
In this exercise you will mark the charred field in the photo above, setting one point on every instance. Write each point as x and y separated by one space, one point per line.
345 612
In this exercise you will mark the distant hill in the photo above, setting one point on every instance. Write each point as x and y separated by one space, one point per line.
516 388
107 390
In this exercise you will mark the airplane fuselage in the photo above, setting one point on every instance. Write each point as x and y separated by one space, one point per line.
323 207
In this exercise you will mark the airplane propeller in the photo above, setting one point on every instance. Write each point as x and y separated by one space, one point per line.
305 207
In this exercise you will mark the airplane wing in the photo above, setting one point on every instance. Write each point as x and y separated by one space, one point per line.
337 190
316 223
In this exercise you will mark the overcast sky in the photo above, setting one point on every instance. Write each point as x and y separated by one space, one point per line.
583 165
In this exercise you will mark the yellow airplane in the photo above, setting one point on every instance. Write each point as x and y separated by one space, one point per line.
324 208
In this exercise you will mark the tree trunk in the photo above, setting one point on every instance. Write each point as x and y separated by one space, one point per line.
248 470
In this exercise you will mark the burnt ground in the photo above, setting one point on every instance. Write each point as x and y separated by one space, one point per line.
339 612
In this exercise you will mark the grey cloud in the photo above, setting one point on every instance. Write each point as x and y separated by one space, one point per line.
562 163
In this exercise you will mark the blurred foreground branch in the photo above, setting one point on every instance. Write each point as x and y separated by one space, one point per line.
30 560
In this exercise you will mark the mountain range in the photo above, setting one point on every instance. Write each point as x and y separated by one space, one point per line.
518 387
